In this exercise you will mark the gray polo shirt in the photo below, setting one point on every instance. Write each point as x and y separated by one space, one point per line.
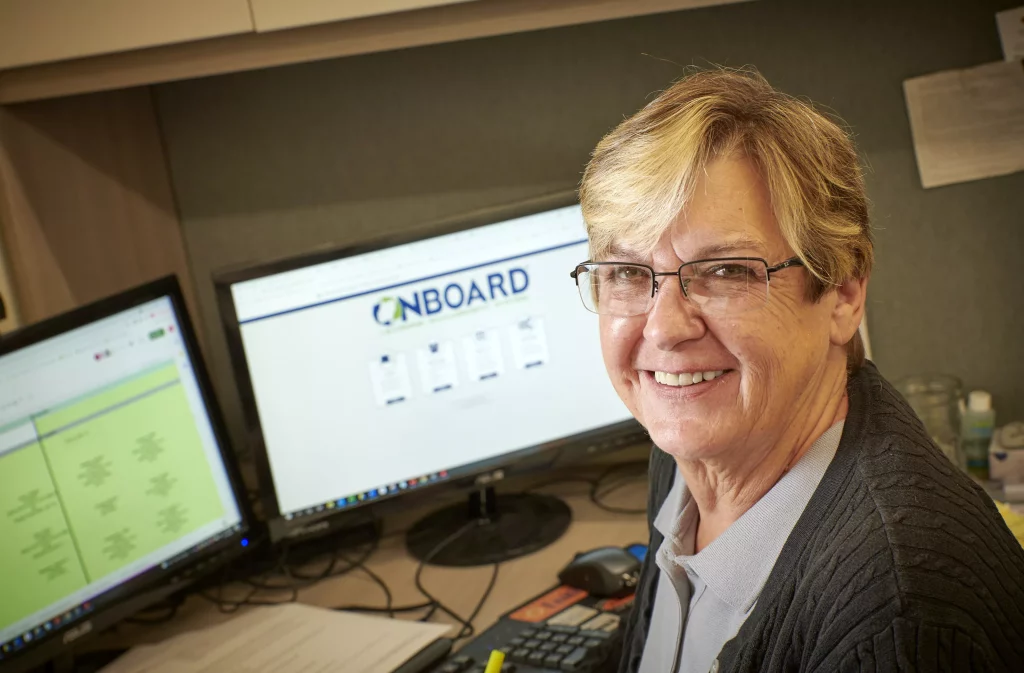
702 599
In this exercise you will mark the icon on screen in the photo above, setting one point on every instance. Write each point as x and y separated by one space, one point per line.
404 485
434 348
444 473
383 490
330 505
384 359
341 502
361 496
27 637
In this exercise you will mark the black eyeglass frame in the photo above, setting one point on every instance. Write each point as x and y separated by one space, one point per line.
655 286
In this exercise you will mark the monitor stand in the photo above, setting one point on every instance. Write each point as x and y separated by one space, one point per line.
507 526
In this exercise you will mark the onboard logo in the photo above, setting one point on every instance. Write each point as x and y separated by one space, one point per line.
430 301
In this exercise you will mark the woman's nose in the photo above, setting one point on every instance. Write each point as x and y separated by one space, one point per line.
673 318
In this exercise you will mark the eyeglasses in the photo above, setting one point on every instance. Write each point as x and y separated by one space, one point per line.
725 286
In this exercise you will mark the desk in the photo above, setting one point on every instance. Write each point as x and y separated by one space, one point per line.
458 588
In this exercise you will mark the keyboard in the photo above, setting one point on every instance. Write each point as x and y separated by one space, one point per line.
563 629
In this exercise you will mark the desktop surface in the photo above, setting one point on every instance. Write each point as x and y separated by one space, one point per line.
459 588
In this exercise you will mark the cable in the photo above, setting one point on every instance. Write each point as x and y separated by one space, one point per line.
467 629
596 492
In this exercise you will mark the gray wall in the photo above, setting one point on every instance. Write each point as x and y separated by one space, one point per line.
279 161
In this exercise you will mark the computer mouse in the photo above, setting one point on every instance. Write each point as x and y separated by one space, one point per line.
606 572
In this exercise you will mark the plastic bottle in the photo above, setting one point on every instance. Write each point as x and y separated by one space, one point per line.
978 423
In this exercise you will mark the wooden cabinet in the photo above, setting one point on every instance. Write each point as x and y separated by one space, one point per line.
277 14
42 31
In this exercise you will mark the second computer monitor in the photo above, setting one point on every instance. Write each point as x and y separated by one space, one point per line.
385 370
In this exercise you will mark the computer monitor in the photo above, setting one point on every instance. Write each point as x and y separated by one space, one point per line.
115 484
447 358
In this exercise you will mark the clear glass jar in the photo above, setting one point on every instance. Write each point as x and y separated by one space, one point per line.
937 399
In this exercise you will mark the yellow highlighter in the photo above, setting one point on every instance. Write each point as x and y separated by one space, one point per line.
495 662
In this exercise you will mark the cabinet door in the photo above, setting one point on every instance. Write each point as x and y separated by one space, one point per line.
277 14
39 31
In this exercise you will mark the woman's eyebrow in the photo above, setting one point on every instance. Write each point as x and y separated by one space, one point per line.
732 247
618 252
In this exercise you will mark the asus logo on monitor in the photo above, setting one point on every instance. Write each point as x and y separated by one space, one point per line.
74 634
431 301
489 478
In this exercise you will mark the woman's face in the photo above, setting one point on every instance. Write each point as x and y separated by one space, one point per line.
773 357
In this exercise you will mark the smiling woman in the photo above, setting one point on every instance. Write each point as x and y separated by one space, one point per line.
801 519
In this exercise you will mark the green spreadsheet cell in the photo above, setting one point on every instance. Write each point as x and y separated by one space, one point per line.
37 547
133 476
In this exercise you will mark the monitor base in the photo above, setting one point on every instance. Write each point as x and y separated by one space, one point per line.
507 527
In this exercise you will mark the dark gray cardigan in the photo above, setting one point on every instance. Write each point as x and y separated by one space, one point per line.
899 562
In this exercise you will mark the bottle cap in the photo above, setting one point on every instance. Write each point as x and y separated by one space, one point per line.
979 400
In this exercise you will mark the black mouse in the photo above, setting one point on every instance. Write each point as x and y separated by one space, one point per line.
606 572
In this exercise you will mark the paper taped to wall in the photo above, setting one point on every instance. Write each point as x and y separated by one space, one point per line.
967 124
1011 33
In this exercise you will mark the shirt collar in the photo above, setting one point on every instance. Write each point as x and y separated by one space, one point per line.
736 565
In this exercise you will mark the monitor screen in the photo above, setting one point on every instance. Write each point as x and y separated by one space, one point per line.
110 469
394 368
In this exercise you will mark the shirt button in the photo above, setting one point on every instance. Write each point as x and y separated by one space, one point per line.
714 666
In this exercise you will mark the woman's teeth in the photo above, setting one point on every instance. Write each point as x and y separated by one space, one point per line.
685 379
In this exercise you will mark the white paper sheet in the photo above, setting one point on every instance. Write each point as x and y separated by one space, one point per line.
1011 33
290 638
967 124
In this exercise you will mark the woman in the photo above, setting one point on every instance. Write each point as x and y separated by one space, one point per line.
801 518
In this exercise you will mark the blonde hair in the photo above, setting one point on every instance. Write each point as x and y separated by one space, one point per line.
642 174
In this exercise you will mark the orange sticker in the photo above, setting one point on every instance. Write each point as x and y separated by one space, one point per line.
615 604
548 605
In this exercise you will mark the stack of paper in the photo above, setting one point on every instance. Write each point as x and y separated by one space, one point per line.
289 638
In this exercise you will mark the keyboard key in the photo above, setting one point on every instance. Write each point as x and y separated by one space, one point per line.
450 667
562 628
547 647
560 637
543 635
536 658
463 661
565 649
574 660
552 660
600 635
528 633
592 642
516 642
520 655
532 644
508 668
575 640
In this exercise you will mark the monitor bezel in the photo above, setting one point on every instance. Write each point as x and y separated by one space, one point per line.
467 476
155 584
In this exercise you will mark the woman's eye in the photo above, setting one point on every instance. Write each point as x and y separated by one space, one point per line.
730 271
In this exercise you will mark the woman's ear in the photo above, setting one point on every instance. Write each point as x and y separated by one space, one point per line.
848 310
